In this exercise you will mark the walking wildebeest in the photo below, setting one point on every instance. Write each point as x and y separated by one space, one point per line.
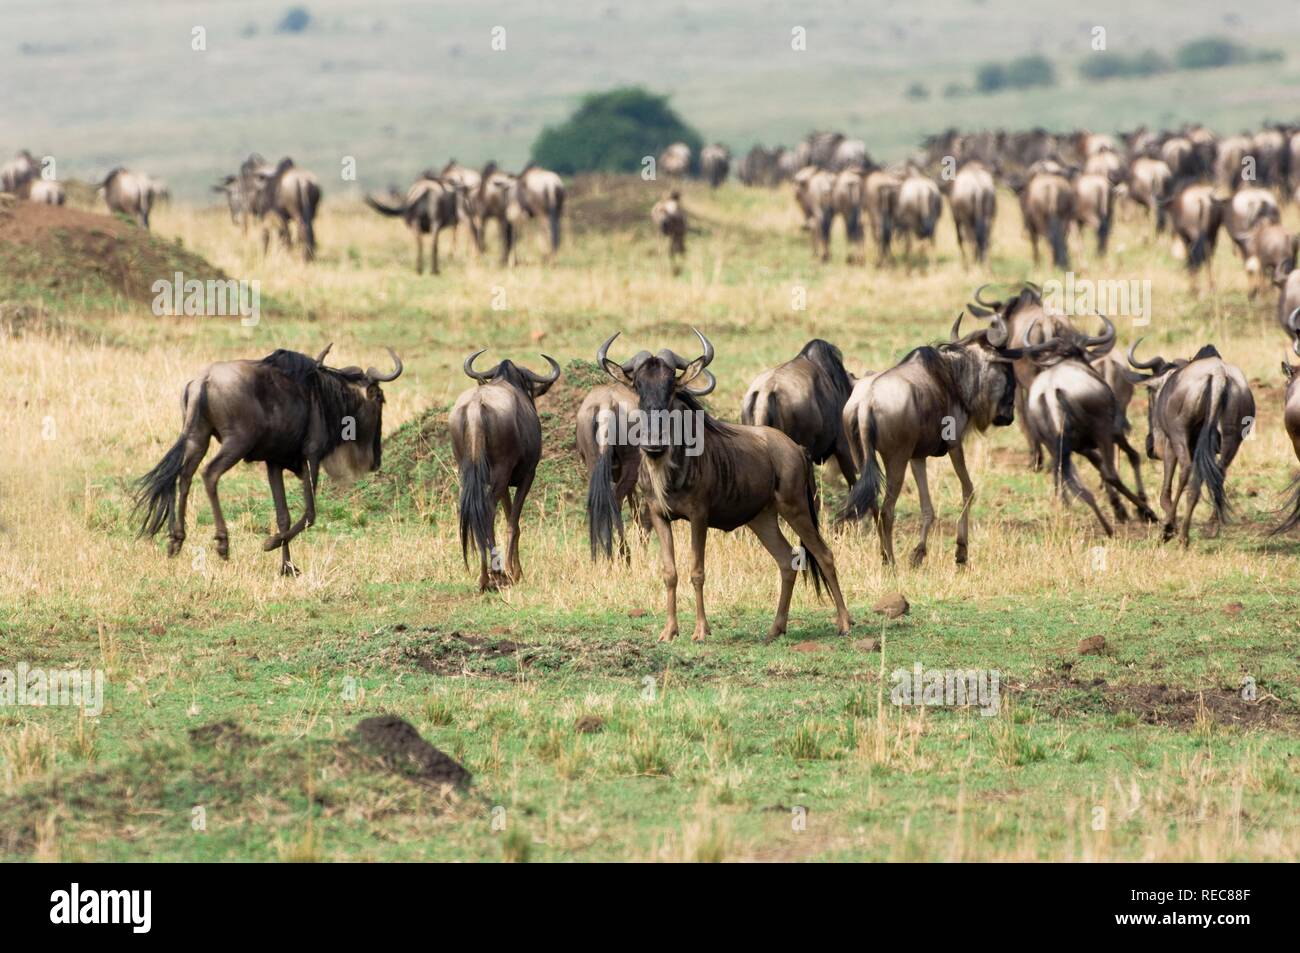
1196 216
1288 298
715 163
919 206
670 218
731 476
814 190
611 463
1199 411
804 399
880 201
846 202
1072 409
287 410
510 199
974 202
923 407
1148 185
1246 211
1094 206
1047 207
429 207
129 193
496 438
1230 161
1269 250
21 168
675 160
1291 421
540 193
289 194
42 191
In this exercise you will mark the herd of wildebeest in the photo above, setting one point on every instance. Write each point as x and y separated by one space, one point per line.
676 461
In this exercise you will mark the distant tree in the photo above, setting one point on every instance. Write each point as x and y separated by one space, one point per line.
990 78
954 91
917 91
1110 65
1028 71
295 20
612 132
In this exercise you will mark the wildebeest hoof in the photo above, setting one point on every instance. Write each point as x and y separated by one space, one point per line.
918 556
174 545
700 633
289 569
668 634
223 547
1167 534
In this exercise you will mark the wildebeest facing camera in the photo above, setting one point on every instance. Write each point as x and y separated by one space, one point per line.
855 432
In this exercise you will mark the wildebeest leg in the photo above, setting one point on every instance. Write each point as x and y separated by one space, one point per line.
275 477
1231 437
229 454
769 533
512 528
195 449
309 475
1105 464
927 509
699 537
961 246
668 561
958 456
1033 242
1167 497
1193 497
895 472
419 251
1070 479
1134 461
437 230
799 515
1022 418
1171 512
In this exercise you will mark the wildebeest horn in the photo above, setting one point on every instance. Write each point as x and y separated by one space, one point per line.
979 312
955 334
1107 335
320 358
1291 321
707 389
483 376
998 332
1141 365
707 356
602 355
555 372
979 300
379 378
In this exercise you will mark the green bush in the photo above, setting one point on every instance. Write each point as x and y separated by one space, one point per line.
1030 71
1111 65
1209 52
990 78
613 132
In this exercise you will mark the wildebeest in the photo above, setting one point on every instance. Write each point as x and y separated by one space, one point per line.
1270 250
496 439
729 476
1291 421
919 207
541 195
974 202
1248 209
814 194
675 160
465 181
130 193
670 218
880 201
1094 206
1198 413
1106 164
715 163
511 199
1230 161
611 463
1047 207
1196 216
288 410
1071 409
804 399
1288 298
846 202
21 168
288 194
924 407
1148 185
760 166
42 191
429 207
1180 155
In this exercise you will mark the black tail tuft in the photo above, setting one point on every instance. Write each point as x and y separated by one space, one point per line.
1293 505
864 498
156 490
1060 247
814 505
604 515
476 509
1205 457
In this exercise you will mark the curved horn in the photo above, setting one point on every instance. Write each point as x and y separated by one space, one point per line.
379 378
1107 335
555 372
998 332
603 352
708 388
320 358
1141 365
979 312
1291 321
478 375
955 334
979 300
708 347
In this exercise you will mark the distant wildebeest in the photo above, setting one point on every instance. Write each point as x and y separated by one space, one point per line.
880 202
429 207
1272 157
814 194
612 463
241 189
675 160
729 476
1230 161
288 194
1196 216
759 167
1198 413
924 407
1180 155
804 399
919 206
21 168
715 163
1047 207
465 181
496 439
1106 164
1071 409
846 202
541 194
512 199
1148 185
670 218
1288 298
1094 206
1270 250
130 193
1291 421
1249 208
974 202
42 191
288 410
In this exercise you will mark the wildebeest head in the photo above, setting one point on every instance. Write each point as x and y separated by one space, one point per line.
351 392
990 384
661 380
529 383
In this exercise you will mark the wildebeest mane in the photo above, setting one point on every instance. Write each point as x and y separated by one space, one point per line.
1208 350
330 390
828 358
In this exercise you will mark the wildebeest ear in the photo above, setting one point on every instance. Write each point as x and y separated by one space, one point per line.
691 373
1287 370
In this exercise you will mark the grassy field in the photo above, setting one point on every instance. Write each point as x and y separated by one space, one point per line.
233 696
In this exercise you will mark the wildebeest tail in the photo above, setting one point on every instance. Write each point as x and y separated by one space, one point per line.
1103 224
383 209
814 567
604 515
1291 508
981 228
864 498
308 199
1205 457
476 506
853 222
556 210
1065 476
1060 248
156 491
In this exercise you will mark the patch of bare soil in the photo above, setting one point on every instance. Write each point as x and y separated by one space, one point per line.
225 734
611 203
405 752
1160 704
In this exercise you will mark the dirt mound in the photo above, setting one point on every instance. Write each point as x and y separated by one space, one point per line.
611 203
48 250
402 749
225 733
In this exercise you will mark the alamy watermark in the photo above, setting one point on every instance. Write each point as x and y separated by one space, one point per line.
39 687
216 297
1113 297
946 687
651 428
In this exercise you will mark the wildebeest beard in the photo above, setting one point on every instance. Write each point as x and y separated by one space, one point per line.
331 395
676 471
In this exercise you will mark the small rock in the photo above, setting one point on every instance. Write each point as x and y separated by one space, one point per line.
892 606
810 647
635 613
1092 645
589 724
157 629
538 335
1233 609
866 645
